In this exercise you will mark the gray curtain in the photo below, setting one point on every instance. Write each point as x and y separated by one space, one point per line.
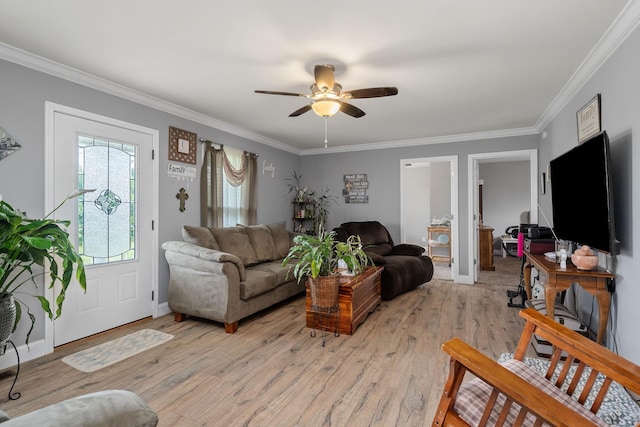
215 168
211 187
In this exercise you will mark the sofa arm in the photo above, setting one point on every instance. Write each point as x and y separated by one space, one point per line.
196 255
407 249
103 408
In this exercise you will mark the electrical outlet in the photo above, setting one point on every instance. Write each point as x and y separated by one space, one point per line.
424 239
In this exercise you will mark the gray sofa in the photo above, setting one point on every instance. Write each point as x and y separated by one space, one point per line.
226 274
101 409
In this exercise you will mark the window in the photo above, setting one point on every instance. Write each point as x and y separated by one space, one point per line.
106 219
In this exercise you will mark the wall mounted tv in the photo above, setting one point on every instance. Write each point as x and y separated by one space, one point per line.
582 196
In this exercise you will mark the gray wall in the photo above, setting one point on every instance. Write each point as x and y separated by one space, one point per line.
383 169
417 209
617 82
24 92
506 193
440 201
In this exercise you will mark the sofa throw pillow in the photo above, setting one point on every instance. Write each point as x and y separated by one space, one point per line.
200 236
281 239
262 242
234 240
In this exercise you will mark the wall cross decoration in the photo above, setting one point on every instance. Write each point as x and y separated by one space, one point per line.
182 196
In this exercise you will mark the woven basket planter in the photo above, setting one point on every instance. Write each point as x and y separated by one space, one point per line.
324 293
7 320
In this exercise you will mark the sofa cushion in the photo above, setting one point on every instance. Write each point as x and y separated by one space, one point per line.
257 283
370 232
200 236
382 249
283 274
474 394
262 242
234 240
281 239
407 249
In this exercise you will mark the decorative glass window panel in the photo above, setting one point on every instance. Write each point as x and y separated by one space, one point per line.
106 217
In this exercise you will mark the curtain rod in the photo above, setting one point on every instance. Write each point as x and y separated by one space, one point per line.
204 141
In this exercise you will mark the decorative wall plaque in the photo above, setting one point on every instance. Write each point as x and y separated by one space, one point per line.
355 188
182 145
589 119
7 144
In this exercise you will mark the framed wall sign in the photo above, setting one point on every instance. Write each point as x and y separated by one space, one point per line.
589 119
182 145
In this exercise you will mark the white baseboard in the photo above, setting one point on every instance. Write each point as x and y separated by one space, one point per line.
36 349
466 280
163 309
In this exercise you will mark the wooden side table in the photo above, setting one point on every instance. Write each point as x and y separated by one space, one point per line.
597 282
358 296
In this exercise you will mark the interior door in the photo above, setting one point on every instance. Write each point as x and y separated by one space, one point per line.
112 225
477 183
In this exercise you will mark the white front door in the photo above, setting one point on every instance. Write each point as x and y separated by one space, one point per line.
112 226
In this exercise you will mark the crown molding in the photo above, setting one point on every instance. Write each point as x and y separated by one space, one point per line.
423 141
38 63
618 32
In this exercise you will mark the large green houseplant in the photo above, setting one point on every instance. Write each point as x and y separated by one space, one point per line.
26 243
319 256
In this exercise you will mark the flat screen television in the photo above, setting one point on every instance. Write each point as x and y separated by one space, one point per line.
582 196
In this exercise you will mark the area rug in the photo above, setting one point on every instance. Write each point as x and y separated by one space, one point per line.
114 351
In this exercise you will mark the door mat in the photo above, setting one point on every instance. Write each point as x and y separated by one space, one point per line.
114 351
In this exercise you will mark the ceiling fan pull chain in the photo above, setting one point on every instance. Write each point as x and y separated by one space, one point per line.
326 125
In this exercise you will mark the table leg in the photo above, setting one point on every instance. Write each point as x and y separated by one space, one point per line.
550 299
604 303
527 280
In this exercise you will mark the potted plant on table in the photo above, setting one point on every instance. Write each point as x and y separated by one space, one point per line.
317 258
24 244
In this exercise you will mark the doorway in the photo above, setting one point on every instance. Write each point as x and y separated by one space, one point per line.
112 227
530 157
428 189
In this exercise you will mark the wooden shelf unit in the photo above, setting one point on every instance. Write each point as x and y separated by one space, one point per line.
433 233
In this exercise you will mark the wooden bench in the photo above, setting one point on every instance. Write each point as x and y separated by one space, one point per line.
570 393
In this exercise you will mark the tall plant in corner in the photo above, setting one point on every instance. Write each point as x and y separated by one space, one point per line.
26 243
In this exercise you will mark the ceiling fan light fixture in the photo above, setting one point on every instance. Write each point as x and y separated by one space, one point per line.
325 107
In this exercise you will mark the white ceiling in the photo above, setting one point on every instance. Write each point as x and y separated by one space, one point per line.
462 68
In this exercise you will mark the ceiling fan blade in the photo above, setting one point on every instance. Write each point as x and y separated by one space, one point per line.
351 110
324 76
300 111
372 92
275 92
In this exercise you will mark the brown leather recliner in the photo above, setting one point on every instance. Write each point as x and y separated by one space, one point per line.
405 266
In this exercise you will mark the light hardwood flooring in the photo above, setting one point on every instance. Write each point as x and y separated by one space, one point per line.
272 373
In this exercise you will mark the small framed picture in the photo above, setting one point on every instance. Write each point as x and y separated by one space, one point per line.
543 183
182 145
589 119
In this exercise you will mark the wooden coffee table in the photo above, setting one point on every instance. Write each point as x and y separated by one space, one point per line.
358 296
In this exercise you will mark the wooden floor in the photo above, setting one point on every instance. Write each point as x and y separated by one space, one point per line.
271 372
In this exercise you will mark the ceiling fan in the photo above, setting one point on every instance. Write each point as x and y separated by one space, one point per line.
327 97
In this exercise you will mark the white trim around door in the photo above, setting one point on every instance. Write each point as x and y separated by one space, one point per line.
51 110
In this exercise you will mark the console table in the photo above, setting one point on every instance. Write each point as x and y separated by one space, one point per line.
597 282
358 296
